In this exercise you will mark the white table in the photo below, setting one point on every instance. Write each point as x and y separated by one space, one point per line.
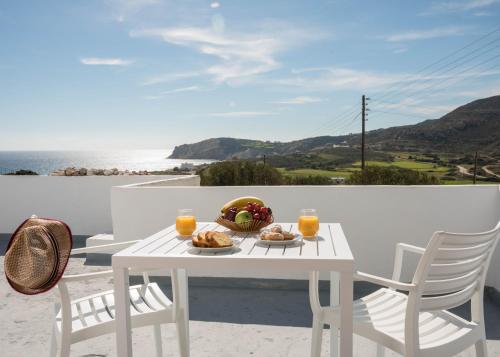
166 250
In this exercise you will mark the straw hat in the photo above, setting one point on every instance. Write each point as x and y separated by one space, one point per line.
37 255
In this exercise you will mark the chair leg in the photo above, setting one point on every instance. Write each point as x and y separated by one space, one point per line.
53 343
481 348
65 348
182 335
380 350
158 344
317 335
334 341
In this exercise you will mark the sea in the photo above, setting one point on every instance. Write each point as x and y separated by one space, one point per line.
45 162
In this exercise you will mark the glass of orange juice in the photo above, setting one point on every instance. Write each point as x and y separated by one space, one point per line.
308 223
185 222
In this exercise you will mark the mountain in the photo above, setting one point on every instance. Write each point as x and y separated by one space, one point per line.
471 127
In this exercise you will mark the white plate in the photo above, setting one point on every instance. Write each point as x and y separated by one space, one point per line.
297 238
211 250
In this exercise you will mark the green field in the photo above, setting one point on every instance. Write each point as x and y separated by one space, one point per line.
313 172
345 172
407 164
402 161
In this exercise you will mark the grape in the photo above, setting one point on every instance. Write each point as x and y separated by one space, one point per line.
256 216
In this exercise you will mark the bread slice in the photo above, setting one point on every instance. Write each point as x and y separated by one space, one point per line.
200 240
222 240
212 239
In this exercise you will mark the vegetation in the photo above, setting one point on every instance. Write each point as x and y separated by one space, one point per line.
239 173
23 173
324 159
248 173
376 175
307 180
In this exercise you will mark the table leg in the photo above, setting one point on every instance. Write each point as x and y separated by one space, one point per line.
334 301
180 280
184 298
346 292
122 313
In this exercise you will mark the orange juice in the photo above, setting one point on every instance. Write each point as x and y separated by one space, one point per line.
185 225
308 225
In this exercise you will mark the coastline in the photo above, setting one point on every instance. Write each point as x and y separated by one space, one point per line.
126 162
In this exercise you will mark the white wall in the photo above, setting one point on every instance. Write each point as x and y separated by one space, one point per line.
374 218
83 202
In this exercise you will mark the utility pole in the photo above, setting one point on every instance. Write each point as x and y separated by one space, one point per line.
475 169
363 119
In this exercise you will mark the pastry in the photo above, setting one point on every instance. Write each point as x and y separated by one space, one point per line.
272 236
277 229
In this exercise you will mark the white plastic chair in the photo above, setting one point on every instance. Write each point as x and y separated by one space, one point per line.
451 271
92 316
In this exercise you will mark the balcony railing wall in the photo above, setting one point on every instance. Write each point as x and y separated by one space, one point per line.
374 218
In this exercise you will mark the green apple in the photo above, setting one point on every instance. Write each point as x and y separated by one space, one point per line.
243 217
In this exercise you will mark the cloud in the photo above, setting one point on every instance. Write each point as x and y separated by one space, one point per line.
339 78
215 5
183 89
328 78
239 54
170 77
173 91
412 106
240 114
482 92
483 14
300 100
425 34
400 49
96 61
458 6
124 9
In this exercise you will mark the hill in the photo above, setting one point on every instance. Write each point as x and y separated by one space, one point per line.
471 127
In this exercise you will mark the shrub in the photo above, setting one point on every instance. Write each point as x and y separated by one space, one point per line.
308 180
23 173
373 175
239 173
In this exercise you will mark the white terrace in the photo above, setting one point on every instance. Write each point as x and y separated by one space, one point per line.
255 313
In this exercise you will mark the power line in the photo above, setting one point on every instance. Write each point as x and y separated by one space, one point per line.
456 77
399 113
400 104
450 76
344 117
409 77
338 121
340 126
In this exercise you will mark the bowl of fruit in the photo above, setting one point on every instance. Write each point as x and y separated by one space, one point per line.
245 214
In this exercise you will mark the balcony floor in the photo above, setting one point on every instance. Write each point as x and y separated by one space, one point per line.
228 318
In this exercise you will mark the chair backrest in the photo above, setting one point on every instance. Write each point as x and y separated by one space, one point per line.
453 268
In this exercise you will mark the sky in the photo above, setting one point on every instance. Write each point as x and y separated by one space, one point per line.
152 74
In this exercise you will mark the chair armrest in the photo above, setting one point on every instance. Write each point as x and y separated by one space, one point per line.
100 274
87 276
104 248
383 281
410 248
398 258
